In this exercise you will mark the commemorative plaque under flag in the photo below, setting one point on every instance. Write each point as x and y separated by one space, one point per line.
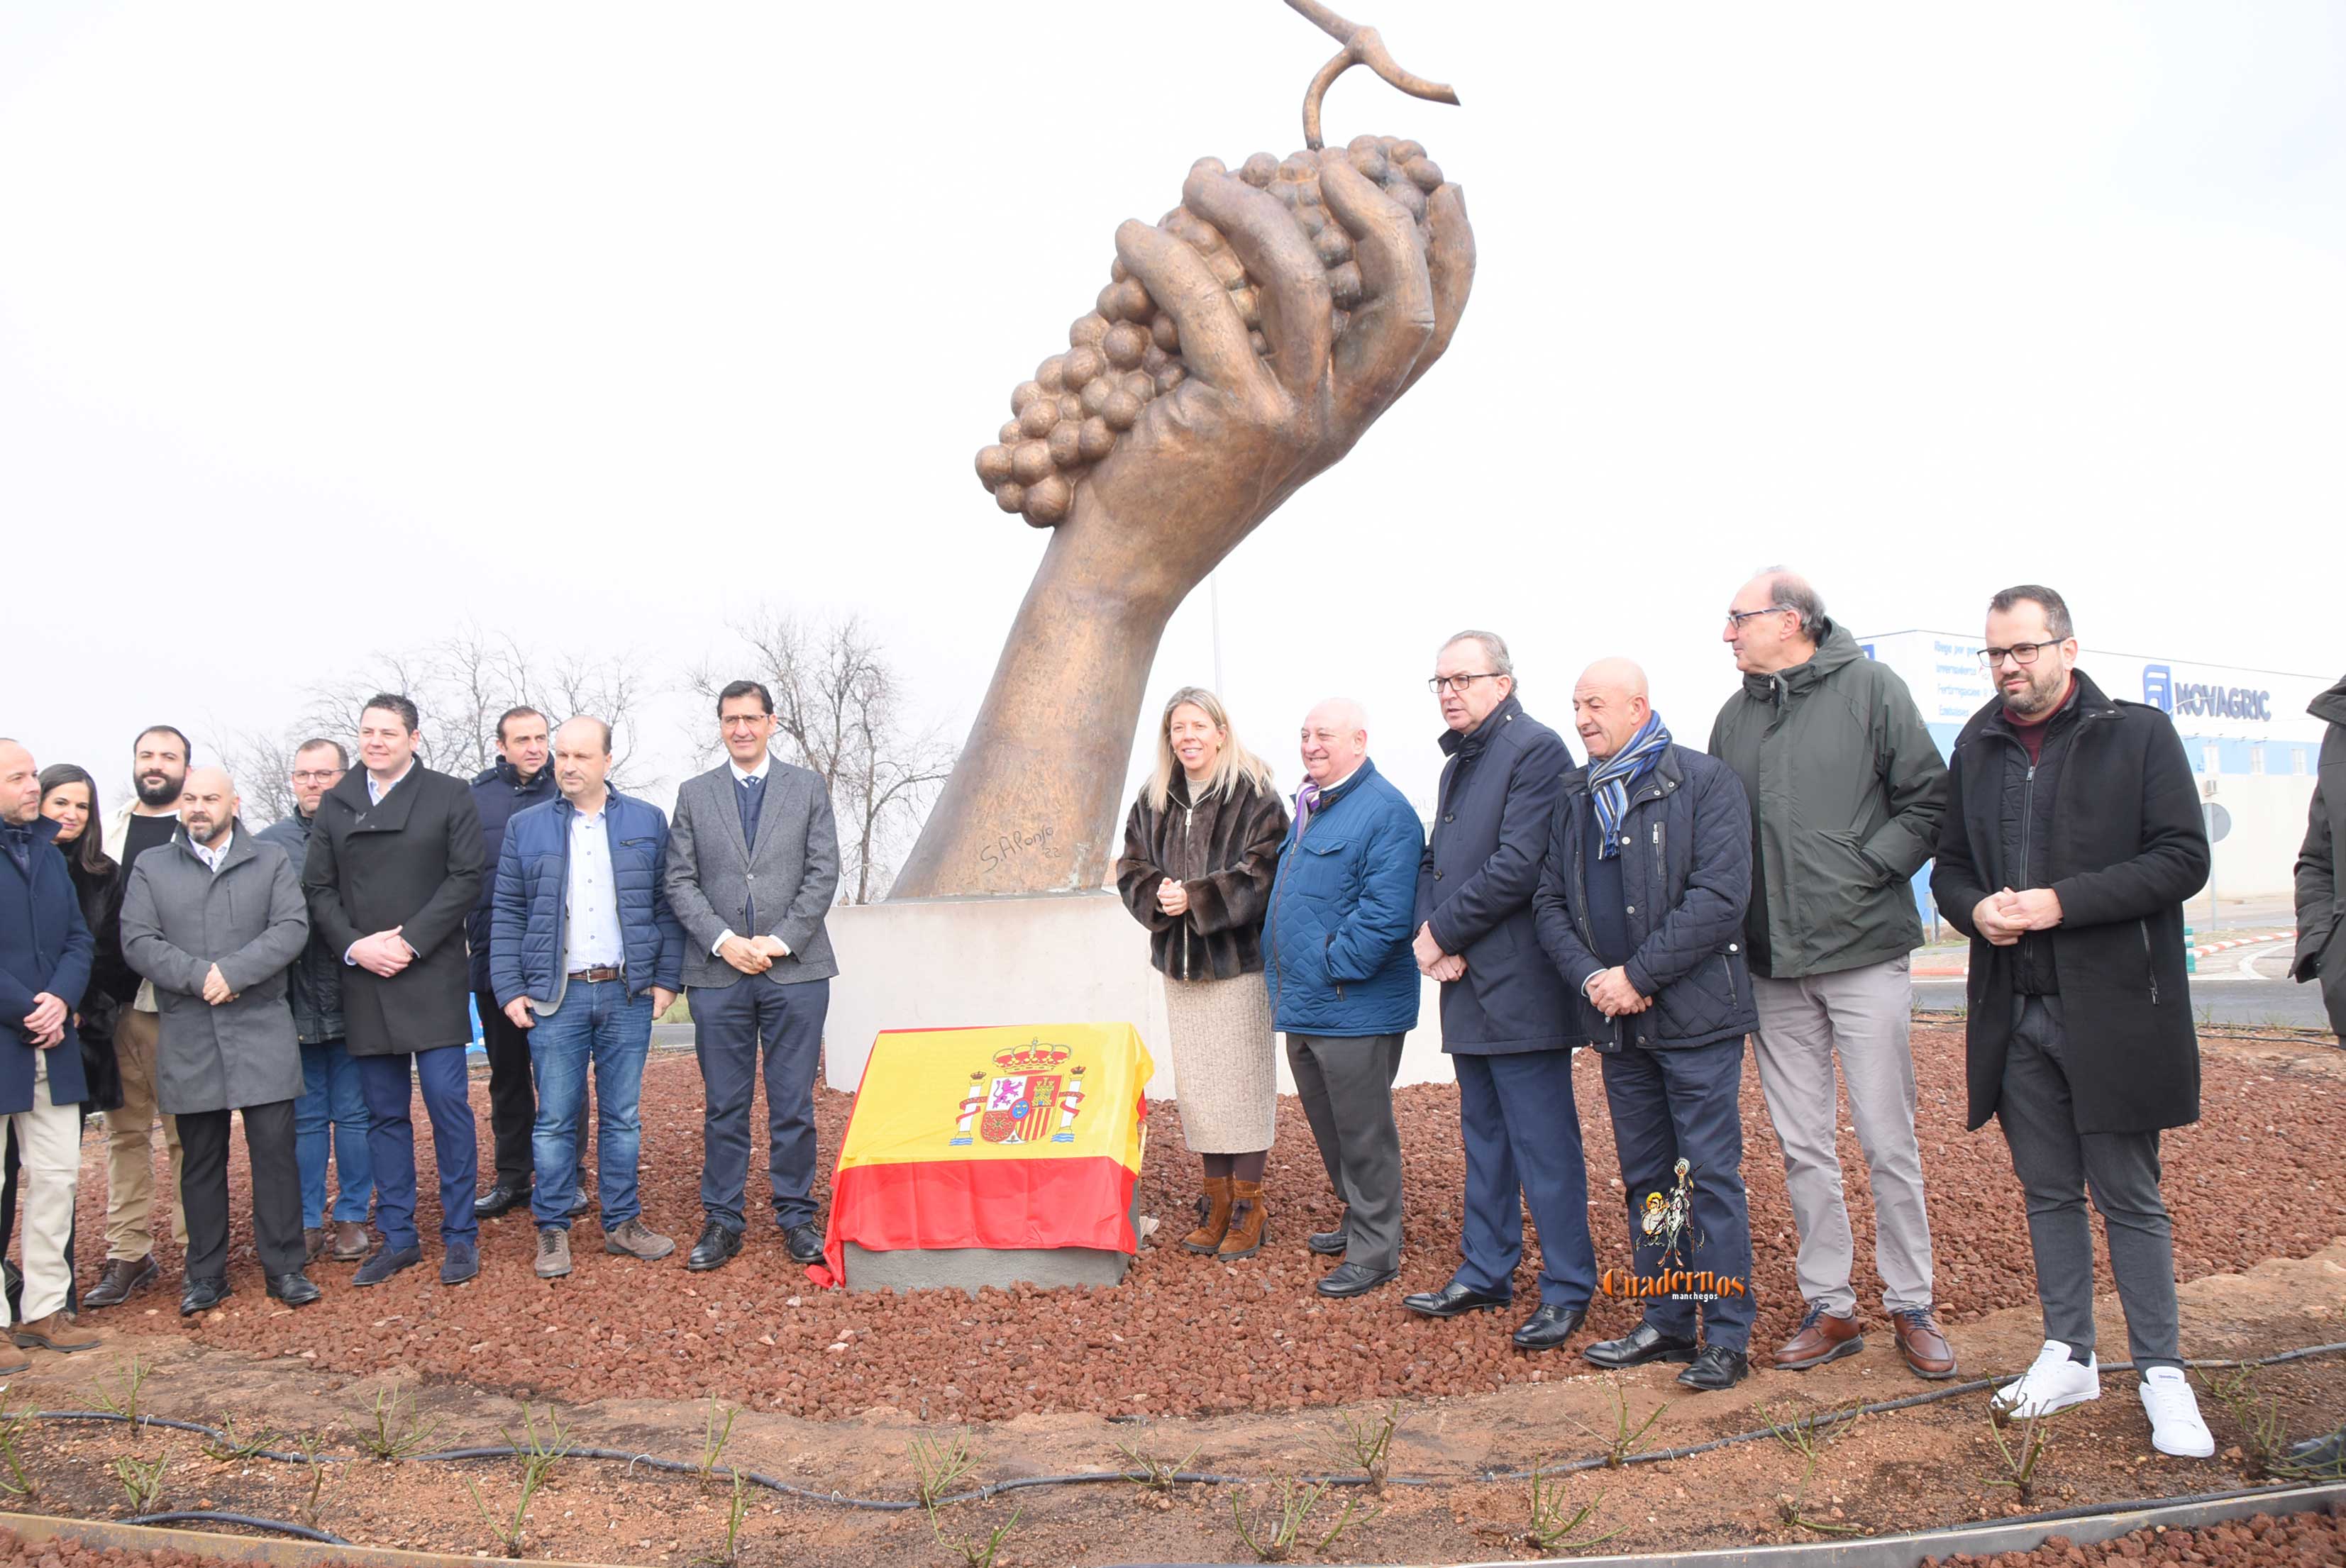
992 1156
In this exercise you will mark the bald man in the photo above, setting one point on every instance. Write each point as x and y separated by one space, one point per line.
1640 909
1847 792
1343 980
213 919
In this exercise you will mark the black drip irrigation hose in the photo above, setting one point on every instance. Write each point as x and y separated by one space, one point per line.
323 1537
1096 1477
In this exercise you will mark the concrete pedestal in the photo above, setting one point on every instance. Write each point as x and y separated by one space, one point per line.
943 963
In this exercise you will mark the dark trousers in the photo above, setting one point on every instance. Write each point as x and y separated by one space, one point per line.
1682 1105
512 1101
276 1188
390 1085
14 1278
730 1026
2057 1166
1522 1132
1346 1087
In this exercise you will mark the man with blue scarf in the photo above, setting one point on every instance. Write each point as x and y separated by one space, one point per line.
1640 908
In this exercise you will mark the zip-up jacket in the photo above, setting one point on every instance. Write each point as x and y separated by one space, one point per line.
314 980
1686 873
499 795
45 946
1224 851
1338 935
2122 846
532 887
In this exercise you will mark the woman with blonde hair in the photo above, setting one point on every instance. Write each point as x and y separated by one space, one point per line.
1200 848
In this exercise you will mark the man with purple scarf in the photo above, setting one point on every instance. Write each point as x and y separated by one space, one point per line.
1640 908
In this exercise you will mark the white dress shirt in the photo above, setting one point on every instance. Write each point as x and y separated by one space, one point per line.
591 938
375 792
212 858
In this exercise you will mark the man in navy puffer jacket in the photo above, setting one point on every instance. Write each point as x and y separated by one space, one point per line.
585 953
1640 907
1343 983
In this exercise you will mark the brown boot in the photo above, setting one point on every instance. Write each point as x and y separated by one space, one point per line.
1213 1217
351 1243
1244 1238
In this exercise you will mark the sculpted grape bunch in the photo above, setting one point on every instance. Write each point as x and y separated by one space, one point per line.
1126 350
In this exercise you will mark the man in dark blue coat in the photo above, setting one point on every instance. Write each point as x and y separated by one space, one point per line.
587 955
519 780
1506 1014
1343 986
1640 907
46 950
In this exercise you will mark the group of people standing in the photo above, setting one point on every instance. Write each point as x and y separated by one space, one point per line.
173 964
1660 905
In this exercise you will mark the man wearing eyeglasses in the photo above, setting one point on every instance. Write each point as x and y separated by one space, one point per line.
332 1102
1506 1010
1847 790
2072 839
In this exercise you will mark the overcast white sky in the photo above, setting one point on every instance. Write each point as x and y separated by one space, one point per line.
328 329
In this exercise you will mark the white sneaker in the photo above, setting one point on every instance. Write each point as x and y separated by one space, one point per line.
2174 1424
2052 1382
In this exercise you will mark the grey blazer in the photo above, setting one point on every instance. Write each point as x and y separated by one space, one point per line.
793 866
178 920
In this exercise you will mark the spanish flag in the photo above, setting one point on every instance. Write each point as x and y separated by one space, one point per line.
1020 1137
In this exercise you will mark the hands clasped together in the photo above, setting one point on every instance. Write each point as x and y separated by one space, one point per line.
2004 916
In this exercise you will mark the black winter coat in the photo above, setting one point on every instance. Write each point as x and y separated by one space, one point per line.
2128 848
112 984
499 794
1226 852
2320 912
412 863
1496 805
1688 866
314 980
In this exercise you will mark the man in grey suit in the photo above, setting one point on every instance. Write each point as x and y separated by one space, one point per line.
752 867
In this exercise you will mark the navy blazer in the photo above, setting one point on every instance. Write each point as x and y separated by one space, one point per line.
45 946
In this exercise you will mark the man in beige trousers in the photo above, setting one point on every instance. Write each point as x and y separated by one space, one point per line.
158 771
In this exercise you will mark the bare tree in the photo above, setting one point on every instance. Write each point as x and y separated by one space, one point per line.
464 682
838 707
262 766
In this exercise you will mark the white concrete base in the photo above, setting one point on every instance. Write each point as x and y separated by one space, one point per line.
1042 958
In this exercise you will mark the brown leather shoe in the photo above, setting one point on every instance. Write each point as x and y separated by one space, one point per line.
50 1333
351 1242
1926 1349
1244 1237
1213 1217
313 1242
117 1279
1823 1338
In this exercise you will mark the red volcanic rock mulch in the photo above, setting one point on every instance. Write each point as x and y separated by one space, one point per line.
2313 1540
2263 1175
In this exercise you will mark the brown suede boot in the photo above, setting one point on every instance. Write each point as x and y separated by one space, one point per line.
1244 1238
1213 1217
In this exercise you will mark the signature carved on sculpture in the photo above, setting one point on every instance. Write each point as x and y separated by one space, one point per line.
1243 345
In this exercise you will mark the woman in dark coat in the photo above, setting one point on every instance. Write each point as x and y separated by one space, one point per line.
70 799
1201 850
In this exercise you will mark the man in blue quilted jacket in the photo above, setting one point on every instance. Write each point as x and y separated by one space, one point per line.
584 955
1343 982
1640 908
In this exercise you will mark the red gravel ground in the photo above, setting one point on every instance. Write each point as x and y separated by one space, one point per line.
2262 1175
2312 1540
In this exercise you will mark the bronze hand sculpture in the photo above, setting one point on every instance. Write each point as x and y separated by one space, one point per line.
1252 414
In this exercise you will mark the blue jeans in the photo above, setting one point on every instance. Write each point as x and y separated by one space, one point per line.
330 1096
597 1022
390 1087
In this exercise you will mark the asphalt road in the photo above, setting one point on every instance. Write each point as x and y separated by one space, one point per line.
2250 985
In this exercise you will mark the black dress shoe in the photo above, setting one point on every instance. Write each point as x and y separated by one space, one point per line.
201 1296
805 1242
715 1249
295 1290
1716 1366
1451 1300
502 1198
1353 1279
1641 1344
1549 1327
1328 1243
